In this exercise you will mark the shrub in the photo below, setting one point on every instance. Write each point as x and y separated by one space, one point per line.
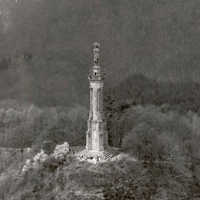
144 142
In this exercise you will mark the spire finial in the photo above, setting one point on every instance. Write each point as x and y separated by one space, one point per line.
96 52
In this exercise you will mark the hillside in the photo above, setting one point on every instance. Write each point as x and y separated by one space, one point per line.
24 124
164 140
167 166
138 89
63 181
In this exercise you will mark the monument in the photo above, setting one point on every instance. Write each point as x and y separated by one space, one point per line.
97 148
96 136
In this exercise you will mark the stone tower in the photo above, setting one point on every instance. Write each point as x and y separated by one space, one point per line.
96 139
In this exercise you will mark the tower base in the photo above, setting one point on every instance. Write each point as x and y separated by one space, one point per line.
97 156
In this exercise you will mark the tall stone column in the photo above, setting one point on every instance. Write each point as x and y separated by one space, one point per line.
96 133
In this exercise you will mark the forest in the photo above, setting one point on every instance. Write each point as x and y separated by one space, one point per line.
161 131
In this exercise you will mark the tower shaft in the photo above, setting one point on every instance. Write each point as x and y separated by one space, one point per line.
96 139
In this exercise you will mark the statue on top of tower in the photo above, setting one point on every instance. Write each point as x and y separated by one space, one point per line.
96 51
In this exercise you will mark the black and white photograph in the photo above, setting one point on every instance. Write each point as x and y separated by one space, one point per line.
99 99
